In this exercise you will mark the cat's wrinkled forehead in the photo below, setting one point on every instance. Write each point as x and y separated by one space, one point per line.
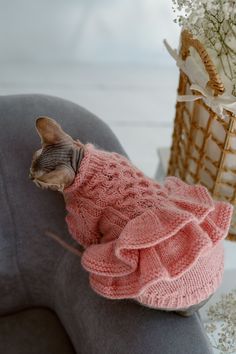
52 156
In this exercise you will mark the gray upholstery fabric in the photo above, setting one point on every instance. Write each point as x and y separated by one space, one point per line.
36 272
33 331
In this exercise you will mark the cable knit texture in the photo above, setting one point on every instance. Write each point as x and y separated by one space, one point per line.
158 244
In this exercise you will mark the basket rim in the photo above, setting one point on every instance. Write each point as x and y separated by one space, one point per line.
187 41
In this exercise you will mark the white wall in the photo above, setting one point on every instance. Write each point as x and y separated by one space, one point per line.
106 55
85 30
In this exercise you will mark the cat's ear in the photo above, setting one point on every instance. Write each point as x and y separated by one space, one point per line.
57 179
50 131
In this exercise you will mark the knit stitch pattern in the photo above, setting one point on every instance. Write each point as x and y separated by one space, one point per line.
158 244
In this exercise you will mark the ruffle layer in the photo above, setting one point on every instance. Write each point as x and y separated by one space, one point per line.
163 243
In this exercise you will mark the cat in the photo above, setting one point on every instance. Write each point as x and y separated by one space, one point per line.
55 166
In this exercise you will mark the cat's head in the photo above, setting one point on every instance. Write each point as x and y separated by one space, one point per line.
55 165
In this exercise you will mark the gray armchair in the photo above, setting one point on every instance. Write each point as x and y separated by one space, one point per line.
46 303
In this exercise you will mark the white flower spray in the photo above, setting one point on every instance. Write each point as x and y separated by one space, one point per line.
221 325
213 22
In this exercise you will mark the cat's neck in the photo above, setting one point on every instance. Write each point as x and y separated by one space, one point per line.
78 155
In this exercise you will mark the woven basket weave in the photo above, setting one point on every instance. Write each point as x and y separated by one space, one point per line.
203 144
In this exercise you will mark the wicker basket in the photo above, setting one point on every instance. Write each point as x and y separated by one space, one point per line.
203 144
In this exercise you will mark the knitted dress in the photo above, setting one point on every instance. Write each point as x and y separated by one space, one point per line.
158 244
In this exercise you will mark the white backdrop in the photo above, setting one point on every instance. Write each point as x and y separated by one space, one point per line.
106 55
85 30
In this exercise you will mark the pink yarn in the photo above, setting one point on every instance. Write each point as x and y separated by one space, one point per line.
158 244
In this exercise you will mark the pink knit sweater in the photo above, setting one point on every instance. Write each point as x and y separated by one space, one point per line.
159 245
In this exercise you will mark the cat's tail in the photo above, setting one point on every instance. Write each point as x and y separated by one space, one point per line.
63 243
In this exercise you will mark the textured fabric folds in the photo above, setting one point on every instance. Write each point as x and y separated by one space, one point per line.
154 243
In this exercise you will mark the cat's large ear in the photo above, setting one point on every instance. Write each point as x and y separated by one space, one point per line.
57 179
50 131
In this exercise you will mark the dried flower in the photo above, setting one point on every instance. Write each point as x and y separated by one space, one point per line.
213 22
221 326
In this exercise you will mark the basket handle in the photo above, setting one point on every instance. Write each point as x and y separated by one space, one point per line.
214 82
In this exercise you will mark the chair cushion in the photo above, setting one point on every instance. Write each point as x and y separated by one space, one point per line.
37 272
33 331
